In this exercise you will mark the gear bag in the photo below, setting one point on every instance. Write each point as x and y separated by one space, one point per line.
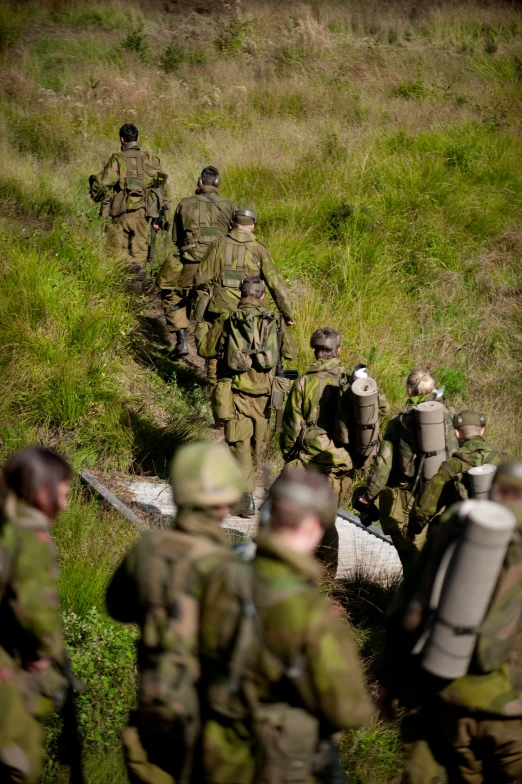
132 189
251 341
461 482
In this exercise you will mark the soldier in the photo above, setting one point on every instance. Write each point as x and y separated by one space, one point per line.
198 221
126 181
158 586
247 417
280 667
227 262
309 436
448 485
37 482
471 726
394 473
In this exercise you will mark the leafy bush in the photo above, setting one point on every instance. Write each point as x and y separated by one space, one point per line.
414 89
136 41
173 56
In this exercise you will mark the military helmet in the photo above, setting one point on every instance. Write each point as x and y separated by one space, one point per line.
203 473
469 417
244 217
508 475
315 496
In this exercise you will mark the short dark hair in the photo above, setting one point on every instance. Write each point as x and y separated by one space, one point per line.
32 468
321 352
253 280
128 132
208 175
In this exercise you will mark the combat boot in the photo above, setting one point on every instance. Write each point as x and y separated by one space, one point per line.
249 507
181 348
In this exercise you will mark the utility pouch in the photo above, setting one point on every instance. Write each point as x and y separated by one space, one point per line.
280 387
207 234
200 308
223 400
287 740
232 278
154 202
105 209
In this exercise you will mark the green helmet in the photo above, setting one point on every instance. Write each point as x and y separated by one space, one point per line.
203 473
245 217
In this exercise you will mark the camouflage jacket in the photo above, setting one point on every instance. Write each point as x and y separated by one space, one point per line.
301 634
117 179
230 260
447 486
310 415
252 381
396 462
494 680
199 220
166 570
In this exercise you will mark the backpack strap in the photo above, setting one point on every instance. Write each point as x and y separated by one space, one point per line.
215 201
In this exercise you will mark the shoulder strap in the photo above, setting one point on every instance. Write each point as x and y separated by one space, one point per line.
215 201
229 254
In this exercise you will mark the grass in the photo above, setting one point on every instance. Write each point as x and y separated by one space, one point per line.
379 143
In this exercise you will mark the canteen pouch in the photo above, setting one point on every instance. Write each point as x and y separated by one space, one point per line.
280 387
287 740
200 308
232 278
207 234
223 400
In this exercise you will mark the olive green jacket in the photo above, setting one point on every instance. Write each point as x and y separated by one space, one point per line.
198 220
309 418
307 656
447 487
494 681
396 462
257 261
110 183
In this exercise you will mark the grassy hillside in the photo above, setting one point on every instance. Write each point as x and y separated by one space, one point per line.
379 142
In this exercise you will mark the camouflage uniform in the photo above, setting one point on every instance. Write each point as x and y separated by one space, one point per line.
158 586
473 725
446 487
30 612
306 658
198 220
127 233
393 474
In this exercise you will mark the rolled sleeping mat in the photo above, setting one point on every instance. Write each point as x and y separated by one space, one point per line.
431 430
366 409
466 587
480 481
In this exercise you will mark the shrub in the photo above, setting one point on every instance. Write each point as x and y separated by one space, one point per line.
173 56
136 41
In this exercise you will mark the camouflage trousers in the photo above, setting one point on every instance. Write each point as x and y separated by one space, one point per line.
248 431
420 749
394 503
175 280
21 742
128 237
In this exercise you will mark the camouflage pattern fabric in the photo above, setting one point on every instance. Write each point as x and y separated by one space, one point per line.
159 586
197 221
299 626
30 612
115 181
128 237
446 487
256 260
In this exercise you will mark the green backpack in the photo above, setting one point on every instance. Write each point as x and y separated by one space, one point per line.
251 341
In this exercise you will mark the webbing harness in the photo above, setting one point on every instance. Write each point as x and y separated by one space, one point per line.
132 179
234 267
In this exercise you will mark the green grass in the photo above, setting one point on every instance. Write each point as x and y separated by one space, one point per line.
383 154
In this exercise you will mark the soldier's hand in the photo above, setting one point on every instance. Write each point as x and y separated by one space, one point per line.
156 226
289 322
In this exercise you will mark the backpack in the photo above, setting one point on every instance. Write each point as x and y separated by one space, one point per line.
132 185
209 212
460 480
251 341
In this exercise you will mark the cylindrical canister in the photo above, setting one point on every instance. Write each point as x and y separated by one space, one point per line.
467 587
480 480
432 435
366 410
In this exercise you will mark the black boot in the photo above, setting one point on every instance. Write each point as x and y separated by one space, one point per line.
249 507
181 348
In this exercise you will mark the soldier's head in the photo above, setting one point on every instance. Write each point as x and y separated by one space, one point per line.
40 478
243 218
507 485
253 286
209 176
128 133
302 505
205 476
419 382
468 424
326 343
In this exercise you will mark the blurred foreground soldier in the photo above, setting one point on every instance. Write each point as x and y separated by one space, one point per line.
158 586
310 435
280 667
472 724
451 483
226 264
198 221
246 343
395 476
36 482
128 187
